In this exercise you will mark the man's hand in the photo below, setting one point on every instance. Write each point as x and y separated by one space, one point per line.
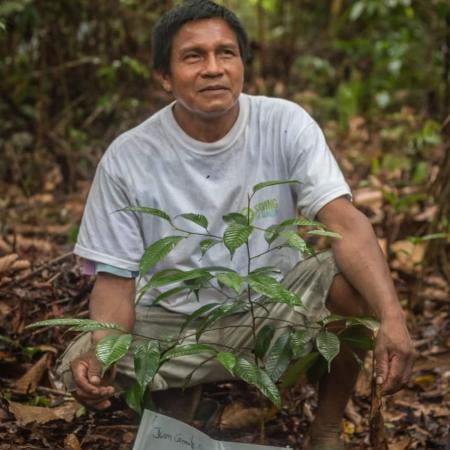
395 356
92 391
112 300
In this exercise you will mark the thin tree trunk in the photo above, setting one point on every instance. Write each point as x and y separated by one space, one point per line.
446 74
437 256
261 27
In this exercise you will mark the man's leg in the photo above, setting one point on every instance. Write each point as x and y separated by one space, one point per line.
337 386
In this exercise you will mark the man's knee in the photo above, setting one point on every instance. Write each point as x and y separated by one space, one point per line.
343 299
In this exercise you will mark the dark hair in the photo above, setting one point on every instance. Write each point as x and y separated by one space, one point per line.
171 21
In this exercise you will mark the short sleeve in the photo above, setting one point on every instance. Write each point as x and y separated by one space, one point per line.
107 235
313 164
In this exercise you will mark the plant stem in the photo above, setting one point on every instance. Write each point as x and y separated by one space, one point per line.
188 379
267 251
249 268
196 233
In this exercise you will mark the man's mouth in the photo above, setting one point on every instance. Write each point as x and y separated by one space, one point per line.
214 88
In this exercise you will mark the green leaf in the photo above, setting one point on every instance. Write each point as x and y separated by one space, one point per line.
266 207
260 186
263 340
294 241
166 277
430 237
273 289
301 342
368 322
228 360
77 324
230 279
328 345
224 310
298 369
249 214
357 10
157 251
236 235
186 350
274 231
169 293
146 362
301 223
256 376
206 244
265 270
362 342
134 397
318 370
197 219
325 233
279 357
332 318
204 309
271 233
152 211
112 348
235 217
158 280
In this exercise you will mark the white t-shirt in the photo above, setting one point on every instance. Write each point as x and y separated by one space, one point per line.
157 164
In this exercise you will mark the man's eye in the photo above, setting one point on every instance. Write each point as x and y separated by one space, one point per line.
191 56
228 52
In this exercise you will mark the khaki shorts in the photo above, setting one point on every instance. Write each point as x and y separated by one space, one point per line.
311 279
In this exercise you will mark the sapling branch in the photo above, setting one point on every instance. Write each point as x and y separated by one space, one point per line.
195 233
279 247
269 361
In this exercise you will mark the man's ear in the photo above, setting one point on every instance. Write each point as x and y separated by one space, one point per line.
164 80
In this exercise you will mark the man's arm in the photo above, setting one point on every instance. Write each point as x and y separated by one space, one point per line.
112 300
362 262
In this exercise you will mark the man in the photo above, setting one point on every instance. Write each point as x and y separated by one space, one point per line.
202 154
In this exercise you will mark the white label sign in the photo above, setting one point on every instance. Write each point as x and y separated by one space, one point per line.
159 432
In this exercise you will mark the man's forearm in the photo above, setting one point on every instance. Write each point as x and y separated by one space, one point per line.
112 300
361 260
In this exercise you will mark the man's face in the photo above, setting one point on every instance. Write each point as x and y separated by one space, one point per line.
206 70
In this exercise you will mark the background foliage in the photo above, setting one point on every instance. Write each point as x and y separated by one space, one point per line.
75 73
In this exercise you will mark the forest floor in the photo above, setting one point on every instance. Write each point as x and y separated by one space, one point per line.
40 279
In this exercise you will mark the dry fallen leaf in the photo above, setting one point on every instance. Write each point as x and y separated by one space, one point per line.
408 256
6 262
71 442
5 309
238 416
24 243
28 382
424 380
26 414
427 214
352 414
431 293
403 443
5 247
370 197
21 265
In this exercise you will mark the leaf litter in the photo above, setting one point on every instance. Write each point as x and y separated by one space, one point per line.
35 411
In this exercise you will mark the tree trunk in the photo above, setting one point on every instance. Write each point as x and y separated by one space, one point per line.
437 254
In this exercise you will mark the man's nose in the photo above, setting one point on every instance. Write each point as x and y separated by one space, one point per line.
213 66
